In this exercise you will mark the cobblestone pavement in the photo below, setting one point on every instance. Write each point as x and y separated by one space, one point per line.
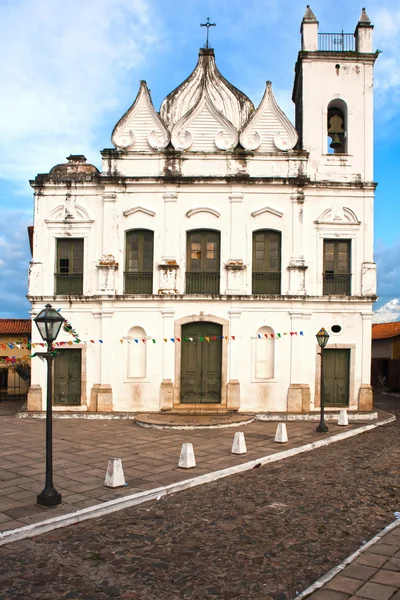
264 534
149 456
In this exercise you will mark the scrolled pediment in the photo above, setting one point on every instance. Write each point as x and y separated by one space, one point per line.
268 129
141 127
216 125
69 212
340 216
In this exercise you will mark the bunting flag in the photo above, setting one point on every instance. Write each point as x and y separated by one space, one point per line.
213 338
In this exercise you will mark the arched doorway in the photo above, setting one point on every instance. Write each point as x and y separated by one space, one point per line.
201 363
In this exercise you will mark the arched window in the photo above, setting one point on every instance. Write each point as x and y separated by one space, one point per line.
136 368
203 261
139 262
337 127
265 353
266 278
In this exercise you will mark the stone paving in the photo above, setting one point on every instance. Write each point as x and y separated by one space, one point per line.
149 457
374 575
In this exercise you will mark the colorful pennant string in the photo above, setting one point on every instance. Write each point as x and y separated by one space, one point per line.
214 338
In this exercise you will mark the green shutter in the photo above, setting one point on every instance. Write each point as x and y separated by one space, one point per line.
139 262
266 277
203 262
69 267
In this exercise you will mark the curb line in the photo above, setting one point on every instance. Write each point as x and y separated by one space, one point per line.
98 510
347 561
192 427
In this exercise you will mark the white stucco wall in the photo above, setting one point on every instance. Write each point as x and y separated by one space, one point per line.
266 183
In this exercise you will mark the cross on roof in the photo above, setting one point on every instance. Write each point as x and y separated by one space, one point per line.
208 25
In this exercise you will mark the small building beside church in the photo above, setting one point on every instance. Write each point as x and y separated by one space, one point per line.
197 265
385 371
15 352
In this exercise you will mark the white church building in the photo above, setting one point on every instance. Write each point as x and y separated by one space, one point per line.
197 266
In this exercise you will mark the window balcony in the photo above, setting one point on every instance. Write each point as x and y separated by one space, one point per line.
266 283
338 285
69 284
202 283
138 283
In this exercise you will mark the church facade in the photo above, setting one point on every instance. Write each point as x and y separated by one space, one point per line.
197 266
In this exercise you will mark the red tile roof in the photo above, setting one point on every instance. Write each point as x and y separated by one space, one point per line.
13 326
382 331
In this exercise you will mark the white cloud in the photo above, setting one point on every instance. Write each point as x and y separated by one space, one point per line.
388 313
62 67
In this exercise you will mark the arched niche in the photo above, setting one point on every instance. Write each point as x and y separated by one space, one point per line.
264 367
137 353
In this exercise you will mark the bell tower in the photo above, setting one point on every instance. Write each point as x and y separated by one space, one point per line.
333 95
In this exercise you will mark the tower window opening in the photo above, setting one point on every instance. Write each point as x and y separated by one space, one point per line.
336 129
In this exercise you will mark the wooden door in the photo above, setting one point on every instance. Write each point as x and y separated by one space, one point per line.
201 363
67 377
336 374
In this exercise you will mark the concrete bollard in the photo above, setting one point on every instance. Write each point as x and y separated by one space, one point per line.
239 443
115 473
281 433
186 459
343 418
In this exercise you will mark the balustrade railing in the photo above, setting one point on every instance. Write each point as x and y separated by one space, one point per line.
138 283
336 42
69 284
202 283
337 284
266 283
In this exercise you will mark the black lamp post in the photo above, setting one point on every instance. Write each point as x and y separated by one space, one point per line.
322 339
49 323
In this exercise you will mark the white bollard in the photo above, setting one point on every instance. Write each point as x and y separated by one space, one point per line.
115 473
343 418
187 460
281 433
239 443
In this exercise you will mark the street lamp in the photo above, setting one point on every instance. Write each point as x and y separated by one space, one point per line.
49 323
322 339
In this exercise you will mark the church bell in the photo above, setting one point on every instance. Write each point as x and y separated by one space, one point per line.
336 143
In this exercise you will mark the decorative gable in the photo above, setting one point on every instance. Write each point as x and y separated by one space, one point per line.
204 128
141 128
269 129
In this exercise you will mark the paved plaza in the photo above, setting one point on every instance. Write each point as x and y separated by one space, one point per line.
267 533
374 575
150 457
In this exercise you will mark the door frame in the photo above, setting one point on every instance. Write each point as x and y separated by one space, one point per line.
353 399
83 405
224 361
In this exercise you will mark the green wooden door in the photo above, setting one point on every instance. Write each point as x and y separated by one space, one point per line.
67 377
336 377
201 363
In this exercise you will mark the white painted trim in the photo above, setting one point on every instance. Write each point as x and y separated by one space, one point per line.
333 416
268 209
203 209
347 561
136 209
98 510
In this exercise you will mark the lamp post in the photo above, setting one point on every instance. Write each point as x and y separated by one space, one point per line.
49 323
322 339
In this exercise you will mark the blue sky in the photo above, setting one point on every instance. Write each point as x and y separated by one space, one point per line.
71 69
